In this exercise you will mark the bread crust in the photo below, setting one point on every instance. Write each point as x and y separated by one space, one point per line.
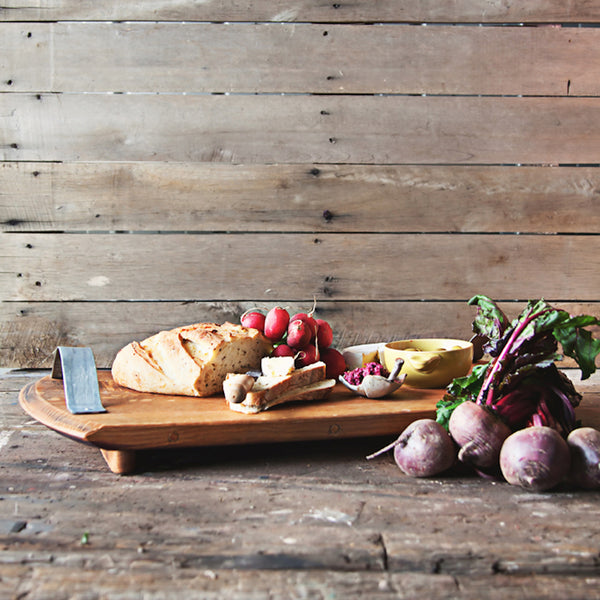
192 360
261 396
306 383
314 391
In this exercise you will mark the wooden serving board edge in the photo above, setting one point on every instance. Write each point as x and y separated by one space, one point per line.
118 434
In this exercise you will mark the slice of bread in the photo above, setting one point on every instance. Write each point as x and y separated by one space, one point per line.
305 383
313 391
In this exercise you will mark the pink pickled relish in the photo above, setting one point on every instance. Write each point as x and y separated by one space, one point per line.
356 376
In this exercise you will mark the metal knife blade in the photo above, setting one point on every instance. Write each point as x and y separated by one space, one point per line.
77 368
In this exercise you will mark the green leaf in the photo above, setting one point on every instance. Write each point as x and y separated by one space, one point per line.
578 343
490 320
461 389
444 409
468 387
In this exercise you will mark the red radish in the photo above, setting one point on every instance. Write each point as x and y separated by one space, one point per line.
536 458
584 444
479 434
299 334
283 350
276 323
324 333
253 320
423 449
307 356
334 362
309 320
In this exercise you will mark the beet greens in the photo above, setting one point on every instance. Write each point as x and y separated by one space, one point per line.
521 383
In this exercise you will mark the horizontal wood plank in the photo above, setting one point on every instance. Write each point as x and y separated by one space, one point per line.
281 267
133 573
300 58
299 129
553 11
31 331
157 196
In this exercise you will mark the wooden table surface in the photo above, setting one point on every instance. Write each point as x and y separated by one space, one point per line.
283 520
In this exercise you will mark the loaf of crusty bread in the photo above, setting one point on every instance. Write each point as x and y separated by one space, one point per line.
190 361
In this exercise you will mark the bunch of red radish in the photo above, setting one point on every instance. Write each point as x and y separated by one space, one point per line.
301 336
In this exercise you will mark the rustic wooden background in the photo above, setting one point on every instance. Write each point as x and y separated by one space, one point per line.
171 162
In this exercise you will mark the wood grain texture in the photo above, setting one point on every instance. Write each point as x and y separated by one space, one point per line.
281 519
209 197
344 59
31 331
299 129
383 176
474 11
253 164
52 267
238 584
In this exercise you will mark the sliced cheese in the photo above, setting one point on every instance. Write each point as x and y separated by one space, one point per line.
277 366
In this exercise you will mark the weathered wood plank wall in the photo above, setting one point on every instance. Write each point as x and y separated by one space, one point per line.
171 162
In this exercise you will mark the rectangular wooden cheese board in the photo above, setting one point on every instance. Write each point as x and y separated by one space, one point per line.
136 421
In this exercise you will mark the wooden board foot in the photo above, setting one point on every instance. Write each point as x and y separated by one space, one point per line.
119 461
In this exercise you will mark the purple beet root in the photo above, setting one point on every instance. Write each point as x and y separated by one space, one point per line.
536 458
584 444
423 449
478 433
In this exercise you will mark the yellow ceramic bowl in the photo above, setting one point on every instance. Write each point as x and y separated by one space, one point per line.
430 363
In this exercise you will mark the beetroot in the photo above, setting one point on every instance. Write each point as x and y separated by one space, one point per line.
478 433
584 444
536 458
521 382
423 449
